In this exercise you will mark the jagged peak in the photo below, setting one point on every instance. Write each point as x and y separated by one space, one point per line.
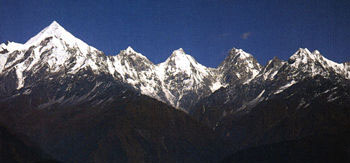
179 51
273 61
315 63
179 56
303 55
239 53
55 26
54 29
180 60
240 57
304 50
130 50
57 31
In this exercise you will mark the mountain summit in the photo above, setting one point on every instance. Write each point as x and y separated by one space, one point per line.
179 81
60 92
56 31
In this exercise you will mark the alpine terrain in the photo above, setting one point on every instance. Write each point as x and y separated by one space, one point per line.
73 103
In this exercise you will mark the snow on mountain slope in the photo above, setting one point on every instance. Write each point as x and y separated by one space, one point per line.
55 50
277 79
179 62
315 63
179 81
171 81
57 31
186 79
135 69
239 67
271 69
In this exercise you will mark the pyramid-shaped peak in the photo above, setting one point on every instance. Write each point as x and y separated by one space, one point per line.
179 51
180 55
238 57
304 51
239 53
304 54
55 30
130 53
182 62
181 59
130 50
300 53
55 24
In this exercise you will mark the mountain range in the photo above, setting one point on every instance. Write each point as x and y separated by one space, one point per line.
79 105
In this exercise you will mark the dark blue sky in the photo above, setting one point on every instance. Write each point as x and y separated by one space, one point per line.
206 29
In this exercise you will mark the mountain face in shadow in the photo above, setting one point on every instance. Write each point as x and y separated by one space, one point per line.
133 129
14 149
77 104
305 109
317 148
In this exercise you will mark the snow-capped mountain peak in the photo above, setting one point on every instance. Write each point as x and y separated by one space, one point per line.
130 53
239 53
179 51
303 55
130 50
239 65
56 31
182 76
316 64
179 81
179 55
179 61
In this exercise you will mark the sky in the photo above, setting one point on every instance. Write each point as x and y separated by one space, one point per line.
205 29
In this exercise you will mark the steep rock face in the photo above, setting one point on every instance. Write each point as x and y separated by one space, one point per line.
315 64
54 53
245 103
74 71
62 93
287 100
186 79
180 81
273 79
310 107
239 67
135 69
